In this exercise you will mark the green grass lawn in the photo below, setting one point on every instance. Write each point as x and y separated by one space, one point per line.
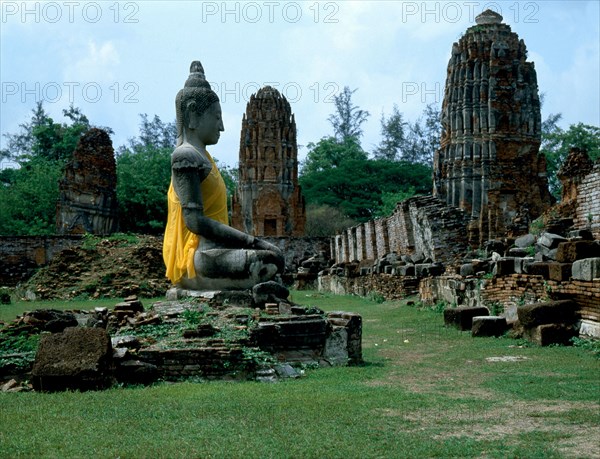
424 391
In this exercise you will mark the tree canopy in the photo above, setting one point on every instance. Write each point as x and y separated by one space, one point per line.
144 175
404 141
338 174
348 118
356 187
341 184
557 142
29 193
329 153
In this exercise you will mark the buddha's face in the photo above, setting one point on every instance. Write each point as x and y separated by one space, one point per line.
209 125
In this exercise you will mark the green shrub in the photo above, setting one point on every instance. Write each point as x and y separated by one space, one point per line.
496 308
439 307
536 227
23 344
192 316
592 345
5 295
376 297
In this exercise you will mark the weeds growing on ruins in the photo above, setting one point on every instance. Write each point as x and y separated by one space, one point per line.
424 391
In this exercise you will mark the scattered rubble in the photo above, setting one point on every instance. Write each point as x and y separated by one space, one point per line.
213 337
102 268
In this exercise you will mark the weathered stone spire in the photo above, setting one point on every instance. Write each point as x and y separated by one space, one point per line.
488 163
268 201
88 189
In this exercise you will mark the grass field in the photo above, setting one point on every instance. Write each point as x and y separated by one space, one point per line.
424 391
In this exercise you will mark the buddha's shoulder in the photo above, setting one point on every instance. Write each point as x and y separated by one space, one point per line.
186 156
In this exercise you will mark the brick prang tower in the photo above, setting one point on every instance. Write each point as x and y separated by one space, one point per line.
268 201
489 162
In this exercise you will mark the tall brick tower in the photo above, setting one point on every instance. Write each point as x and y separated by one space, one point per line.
488 163
268 201
88 190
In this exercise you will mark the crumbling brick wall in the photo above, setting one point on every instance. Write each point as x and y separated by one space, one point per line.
511 291
388 286
21 256
423 225
587 213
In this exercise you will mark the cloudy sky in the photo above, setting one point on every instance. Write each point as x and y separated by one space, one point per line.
115 60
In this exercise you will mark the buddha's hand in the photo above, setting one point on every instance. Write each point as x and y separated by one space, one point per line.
261 244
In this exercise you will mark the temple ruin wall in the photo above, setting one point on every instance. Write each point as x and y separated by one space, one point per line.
587 213
21 256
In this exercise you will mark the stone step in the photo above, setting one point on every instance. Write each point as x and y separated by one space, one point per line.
489 326
547 334
462 317
551 312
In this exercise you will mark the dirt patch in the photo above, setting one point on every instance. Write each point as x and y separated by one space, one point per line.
507 358
103 268
508 420
518 417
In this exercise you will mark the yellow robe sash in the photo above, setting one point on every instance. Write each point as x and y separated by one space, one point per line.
180 244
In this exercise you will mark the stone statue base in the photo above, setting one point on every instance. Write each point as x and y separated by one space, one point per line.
257 297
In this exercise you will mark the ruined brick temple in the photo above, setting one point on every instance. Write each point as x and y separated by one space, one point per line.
268 201
488 163
88 190
489 184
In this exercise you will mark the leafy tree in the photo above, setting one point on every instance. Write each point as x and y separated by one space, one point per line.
20 145
556 144
393 133
424 137
432 128
28 199
337 173
413 142
324 220
144 175
43 138
230 177
30 192
330 153
348 118
416 150
356 186
155 133
390 199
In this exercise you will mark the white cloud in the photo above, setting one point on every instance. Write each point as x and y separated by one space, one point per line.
99 64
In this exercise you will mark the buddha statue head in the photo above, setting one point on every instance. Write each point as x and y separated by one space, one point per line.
195 99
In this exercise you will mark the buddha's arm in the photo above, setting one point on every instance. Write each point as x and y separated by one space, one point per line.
188 173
